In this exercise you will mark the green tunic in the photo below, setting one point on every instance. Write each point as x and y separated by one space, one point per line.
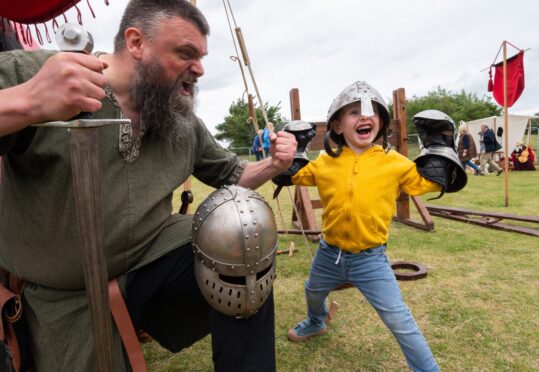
39 240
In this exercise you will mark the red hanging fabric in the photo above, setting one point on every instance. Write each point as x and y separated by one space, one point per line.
515 79
34 11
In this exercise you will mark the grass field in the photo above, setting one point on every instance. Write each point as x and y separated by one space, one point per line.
478 307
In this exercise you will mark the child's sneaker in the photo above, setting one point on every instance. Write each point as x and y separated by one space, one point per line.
306 329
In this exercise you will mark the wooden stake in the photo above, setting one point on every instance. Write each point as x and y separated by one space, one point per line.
291 249
505 124
333 308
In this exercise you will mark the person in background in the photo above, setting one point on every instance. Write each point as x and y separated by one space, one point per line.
466 150
523 157
266 137
488 146
256 148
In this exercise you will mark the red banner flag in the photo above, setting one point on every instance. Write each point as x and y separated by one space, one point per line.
515 79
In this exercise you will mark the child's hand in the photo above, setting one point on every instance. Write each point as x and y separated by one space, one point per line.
283 146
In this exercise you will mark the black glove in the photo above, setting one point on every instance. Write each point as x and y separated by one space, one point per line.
438 160
304 133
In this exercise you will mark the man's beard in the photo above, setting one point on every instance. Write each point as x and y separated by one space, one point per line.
164 111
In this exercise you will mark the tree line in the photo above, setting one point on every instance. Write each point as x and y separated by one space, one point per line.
238 131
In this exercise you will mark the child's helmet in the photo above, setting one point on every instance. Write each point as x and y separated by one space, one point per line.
360 91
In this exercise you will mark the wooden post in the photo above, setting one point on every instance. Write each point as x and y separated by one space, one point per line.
505 124
294 104
399 115
399 140
304 218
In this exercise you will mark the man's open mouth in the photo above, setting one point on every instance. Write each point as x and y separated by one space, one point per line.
187 88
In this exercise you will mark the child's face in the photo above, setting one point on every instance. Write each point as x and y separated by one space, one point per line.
359 131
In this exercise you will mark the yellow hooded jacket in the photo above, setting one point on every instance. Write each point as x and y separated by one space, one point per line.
358 193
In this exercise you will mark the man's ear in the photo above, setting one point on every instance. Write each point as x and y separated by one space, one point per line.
134 42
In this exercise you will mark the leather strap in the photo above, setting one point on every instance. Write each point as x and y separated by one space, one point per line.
125 328
7 334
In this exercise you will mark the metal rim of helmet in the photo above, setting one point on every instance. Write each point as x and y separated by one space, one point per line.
434 115
437 116
234 241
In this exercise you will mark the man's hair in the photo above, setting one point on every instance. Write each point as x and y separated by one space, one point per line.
145 14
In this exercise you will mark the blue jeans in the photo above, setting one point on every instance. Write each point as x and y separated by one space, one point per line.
471 164
370 272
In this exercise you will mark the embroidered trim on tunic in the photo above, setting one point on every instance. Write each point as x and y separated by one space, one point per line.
128 149
238 171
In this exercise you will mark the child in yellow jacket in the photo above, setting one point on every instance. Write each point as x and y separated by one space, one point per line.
358 186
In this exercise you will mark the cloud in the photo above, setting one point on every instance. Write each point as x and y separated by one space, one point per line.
321 46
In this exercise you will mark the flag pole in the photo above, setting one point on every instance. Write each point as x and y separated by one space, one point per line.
505 124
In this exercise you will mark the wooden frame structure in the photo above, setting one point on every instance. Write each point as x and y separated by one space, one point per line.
303 216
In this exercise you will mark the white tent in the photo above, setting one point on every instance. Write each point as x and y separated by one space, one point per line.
516 125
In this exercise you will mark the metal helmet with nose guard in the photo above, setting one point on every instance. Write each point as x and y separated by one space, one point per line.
360 91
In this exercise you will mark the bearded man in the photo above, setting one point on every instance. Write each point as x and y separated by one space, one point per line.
150 78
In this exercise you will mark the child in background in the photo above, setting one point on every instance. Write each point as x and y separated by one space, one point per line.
358 187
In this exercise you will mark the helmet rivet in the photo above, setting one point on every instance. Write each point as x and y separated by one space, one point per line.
252 272
257 247
248 265
256 235
248 249
246 236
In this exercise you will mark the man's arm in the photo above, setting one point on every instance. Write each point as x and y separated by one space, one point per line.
282 149
66 84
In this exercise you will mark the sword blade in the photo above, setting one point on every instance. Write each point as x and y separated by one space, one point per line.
87 192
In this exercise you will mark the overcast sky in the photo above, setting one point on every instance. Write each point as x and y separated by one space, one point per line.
321 46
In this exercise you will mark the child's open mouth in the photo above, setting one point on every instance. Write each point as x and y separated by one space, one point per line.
364 130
